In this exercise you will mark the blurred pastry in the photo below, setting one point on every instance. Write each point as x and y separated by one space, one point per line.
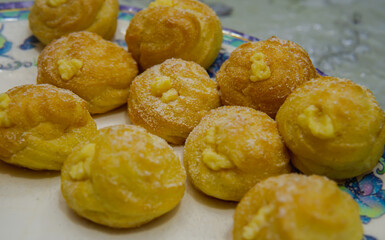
297 207
123 178
51 19
333 127
97 70
40 125
186 29
262 74
232 149
170 99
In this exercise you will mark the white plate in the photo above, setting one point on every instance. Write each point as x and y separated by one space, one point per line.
31 204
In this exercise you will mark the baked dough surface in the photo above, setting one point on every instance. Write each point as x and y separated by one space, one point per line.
40 125
51 19
333 127
123 178
297 207
97 70
232 149
262 74
170 99
185 29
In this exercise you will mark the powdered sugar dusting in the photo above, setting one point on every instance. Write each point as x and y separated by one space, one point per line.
257 152
197 94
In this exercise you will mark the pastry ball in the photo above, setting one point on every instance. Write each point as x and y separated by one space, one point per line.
262 74
40 125
170 99
51 19
186 29
97 70
123 178
333 127
297 207
232 149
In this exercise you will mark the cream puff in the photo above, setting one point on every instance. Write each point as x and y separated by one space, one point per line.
333 127
123 178
262 74
232 149
51 19
297 207
170 99
186 29
40 125
97 70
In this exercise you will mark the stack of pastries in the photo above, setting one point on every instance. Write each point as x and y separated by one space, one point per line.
279 111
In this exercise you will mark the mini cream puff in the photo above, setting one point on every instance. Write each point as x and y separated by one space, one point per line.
51 19
297 207
232 149
333 127
186 29
97 70
40 125
262 74
170 99
123 178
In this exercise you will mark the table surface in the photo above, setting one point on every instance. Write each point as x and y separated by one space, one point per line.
344 38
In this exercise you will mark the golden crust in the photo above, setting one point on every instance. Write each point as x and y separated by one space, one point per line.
289 66
45 125
172 120
333 127
185 29
297 207
51 19
123 178
232 149
104 76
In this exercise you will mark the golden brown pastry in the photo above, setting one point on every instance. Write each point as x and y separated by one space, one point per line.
232 149
170 99
97 70
297 207
333 127
40 125
186 29
123 178
51 19
261 74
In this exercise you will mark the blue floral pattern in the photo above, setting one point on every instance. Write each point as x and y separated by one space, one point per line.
121 42
381 169
5 45
368 193
29 43
222 57
367 237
